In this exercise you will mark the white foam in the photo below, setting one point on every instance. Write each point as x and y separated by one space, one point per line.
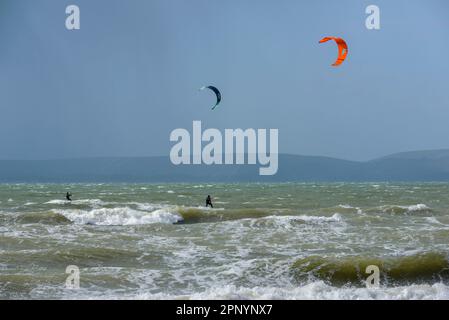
146 206
57 201
90 202
433 220
336 217
416 207
286 221
120 216
346 206
313 291
409 209
319 290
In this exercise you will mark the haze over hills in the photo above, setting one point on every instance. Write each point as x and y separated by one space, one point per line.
432 165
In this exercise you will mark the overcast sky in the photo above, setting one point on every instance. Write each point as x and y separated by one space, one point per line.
122 83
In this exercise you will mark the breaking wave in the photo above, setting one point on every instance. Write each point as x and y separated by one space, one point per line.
318 290
413 269
41 217
336 217
80 202
152 213
119 216
396 209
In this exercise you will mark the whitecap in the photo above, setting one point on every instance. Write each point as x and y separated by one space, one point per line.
313 291
120 216
416 207
336 217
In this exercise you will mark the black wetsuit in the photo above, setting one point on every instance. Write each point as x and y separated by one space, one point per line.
209 202
67 196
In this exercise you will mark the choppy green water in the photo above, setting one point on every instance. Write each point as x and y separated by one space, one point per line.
286 241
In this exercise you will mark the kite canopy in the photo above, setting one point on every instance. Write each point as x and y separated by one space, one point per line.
342 49
217 93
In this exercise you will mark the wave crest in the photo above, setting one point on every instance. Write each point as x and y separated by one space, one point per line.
415 208
119 216
431 266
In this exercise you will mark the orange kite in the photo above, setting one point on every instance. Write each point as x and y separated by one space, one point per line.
342 49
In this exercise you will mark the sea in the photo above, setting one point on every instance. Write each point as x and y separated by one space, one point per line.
259 241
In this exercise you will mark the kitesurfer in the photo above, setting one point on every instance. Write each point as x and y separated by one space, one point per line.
68 196
209 202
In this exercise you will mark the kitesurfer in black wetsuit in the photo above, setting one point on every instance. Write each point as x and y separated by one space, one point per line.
68 195
209 202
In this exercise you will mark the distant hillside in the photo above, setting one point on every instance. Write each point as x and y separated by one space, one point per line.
408 166
419 155
431 165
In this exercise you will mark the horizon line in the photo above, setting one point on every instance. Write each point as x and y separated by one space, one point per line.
246 153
